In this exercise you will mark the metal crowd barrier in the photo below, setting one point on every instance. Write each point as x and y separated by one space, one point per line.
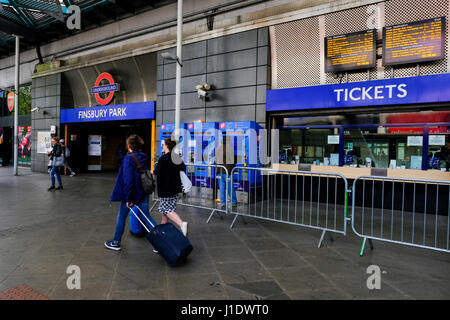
308 199
206 185
410 212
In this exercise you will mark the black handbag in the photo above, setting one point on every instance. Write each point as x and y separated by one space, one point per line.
148 183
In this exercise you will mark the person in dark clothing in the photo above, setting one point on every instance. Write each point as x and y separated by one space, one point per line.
57 159
225 156
128 189
168 183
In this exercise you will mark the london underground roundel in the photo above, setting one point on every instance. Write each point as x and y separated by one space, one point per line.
222 125
104 85
190 126
163 127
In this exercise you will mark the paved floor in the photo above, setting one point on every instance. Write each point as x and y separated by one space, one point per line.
42 233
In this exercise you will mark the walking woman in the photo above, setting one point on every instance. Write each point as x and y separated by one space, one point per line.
168 183
57 159
128 188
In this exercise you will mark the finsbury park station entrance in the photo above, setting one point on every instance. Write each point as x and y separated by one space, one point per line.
97 135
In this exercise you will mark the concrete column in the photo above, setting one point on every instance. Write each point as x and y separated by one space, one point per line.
16 105
178 70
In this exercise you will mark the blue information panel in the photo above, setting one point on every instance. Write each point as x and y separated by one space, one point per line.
128 111
201 150
424 89
246 148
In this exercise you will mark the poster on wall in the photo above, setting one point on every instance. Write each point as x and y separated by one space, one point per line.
44 142
94 145
333 139
24 148
415 141
437 140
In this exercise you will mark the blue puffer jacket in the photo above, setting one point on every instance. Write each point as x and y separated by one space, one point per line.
128 187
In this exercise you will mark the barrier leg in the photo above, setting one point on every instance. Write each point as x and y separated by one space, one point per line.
321 238
361 253
212 213
371 244
234 220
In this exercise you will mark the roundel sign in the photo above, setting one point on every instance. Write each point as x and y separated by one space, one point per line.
190 126
104 88
222 125
10 101
163 127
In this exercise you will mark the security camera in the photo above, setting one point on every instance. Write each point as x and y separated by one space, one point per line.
201 93
35 109
202 90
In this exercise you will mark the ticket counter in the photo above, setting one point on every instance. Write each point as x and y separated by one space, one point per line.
328 126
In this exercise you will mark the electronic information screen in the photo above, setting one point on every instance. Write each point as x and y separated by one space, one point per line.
414 42
350 51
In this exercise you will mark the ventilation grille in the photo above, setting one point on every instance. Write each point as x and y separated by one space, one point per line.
296 46
297 53
403 11
348 21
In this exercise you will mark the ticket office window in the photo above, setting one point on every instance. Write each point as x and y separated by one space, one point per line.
309 146
439 149
383 147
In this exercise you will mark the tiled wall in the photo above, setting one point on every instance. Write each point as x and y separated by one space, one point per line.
236 66
46 93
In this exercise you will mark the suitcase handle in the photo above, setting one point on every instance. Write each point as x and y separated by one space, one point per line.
143 224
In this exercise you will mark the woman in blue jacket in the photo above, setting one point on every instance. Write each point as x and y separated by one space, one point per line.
128 188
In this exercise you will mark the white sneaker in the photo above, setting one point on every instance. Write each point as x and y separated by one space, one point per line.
72 174
184 228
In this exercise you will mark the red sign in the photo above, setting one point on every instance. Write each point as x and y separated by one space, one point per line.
110 81
10 101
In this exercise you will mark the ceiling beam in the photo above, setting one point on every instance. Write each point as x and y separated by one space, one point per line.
16 29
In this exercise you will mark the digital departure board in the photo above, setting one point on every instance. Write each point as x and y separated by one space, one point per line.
350 51
414 42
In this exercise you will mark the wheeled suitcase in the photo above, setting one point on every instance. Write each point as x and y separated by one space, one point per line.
170 243
135 227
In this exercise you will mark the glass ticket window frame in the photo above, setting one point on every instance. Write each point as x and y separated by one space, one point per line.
438 157
366 147
310 145
384 147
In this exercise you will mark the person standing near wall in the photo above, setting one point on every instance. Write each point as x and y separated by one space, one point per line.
57 159
225 156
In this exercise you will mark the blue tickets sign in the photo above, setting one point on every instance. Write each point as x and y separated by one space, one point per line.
423 89
128 111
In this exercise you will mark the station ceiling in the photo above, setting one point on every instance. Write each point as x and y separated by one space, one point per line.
42 21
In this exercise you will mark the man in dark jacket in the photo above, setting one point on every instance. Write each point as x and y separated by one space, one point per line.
128 189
